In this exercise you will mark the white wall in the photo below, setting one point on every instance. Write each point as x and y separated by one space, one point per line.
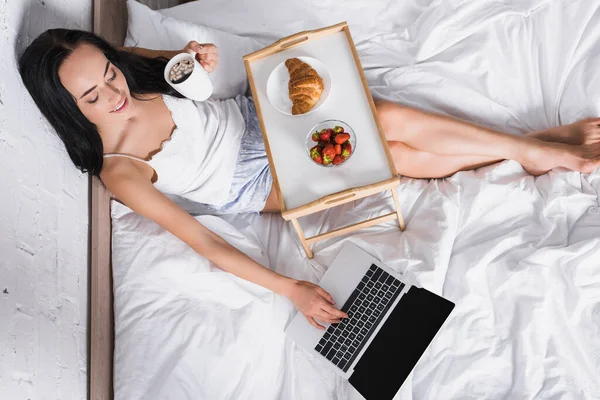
43 226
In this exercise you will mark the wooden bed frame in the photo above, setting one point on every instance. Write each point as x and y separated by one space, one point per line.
110 21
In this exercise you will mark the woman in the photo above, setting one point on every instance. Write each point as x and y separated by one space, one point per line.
121 121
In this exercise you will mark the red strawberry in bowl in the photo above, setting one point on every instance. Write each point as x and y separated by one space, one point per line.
325 135
346 150
341 138
330 143
329 151
315 152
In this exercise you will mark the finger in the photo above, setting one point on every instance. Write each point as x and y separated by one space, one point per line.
207 48
326 317
212 64
314 323
209 57
333 311
195 46
326 295
206 66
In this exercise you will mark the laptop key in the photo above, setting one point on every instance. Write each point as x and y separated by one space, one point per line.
319 347
331 354
335 360
352 335
380 307
336 345
378 285
326 348
377 274
360 336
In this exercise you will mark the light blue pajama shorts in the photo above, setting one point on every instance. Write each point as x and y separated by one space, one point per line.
252 179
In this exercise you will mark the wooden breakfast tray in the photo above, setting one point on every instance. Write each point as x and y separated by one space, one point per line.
303 187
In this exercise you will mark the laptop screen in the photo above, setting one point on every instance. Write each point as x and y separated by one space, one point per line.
399 344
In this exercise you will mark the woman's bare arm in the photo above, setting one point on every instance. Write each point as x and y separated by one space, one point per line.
151 53
207 54
131 184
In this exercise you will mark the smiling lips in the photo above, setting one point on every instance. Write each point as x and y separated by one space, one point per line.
122 106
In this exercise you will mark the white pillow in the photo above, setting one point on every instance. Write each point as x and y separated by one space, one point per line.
150 29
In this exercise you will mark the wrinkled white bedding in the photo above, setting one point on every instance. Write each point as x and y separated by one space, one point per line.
520 256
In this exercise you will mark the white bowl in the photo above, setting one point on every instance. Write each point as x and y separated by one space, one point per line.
277 86
330 124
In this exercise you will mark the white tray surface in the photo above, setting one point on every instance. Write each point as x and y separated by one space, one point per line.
302 181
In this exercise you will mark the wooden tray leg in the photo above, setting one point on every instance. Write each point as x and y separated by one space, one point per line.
398 212
305 245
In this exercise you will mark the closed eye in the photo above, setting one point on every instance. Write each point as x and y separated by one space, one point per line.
112 78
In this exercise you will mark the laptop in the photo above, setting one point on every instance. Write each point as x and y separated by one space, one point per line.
389 324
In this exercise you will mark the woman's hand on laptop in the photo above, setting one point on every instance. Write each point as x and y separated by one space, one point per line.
314 302
207 54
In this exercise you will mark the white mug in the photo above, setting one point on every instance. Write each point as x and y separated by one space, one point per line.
198 85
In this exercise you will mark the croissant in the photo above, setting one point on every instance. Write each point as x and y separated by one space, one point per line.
305 86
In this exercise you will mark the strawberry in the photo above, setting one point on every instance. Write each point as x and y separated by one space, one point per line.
341 138
329 152
338 149
326 160
315 137
338 160
346 150
338 129
315 154
325 135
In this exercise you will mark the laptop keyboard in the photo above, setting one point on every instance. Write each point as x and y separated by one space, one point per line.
366 307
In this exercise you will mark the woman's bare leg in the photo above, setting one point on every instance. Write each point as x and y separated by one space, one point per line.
272 204
468 146
422 164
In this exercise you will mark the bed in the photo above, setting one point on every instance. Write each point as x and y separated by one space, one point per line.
520 256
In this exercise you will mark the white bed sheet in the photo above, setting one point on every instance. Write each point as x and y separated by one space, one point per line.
520 256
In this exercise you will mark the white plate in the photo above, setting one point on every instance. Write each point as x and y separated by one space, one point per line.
277 85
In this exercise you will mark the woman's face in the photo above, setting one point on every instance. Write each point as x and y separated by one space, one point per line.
98 87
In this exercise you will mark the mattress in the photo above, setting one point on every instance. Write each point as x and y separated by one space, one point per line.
520 256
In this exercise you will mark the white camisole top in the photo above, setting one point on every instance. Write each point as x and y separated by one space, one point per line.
198 160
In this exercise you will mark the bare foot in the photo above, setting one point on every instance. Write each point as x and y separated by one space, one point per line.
543 156
583 132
